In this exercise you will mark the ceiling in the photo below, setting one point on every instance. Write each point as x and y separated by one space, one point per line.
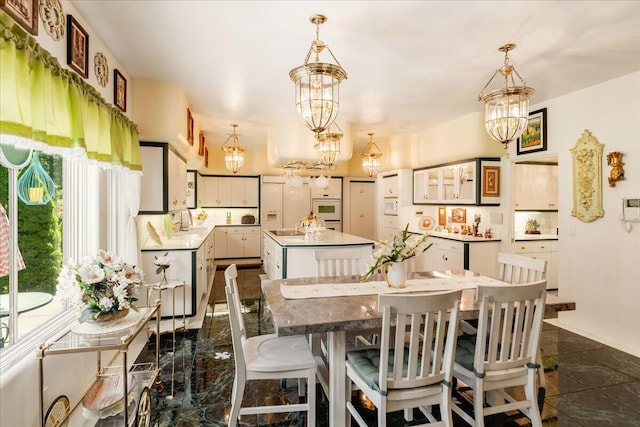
411 64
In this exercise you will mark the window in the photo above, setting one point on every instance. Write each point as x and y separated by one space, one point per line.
40 246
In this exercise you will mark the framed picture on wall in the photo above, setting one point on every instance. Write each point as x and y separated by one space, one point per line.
490 181
119 90
201 144
459 215
442 215
534 137
77 47
25 12
189 127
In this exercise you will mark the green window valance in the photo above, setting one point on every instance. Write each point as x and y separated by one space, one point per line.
50 108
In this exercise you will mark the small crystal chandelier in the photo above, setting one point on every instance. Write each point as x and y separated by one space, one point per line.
318 85
233 153
328 145
371 158
506 111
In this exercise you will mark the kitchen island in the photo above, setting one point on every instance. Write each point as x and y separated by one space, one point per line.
287 253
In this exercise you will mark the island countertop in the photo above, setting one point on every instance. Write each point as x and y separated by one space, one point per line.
327 238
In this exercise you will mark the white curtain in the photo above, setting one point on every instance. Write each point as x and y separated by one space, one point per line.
129 184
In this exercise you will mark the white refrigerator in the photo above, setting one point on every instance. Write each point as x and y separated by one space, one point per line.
282 206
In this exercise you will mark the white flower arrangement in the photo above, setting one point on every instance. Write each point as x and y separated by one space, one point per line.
100 284
404 245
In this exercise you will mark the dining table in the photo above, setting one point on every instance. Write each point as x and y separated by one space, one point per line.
343 304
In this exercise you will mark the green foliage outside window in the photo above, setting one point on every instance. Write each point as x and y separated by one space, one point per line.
39 234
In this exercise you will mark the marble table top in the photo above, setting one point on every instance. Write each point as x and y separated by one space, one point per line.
353 313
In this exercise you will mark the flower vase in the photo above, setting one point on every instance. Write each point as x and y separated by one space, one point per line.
395 274
109 318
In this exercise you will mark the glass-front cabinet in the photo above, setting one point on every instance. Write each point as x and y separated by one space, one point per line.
458 183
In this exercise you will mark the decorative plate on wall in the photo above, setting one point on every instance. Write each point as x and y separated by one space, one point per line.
426 223
53 18
101 68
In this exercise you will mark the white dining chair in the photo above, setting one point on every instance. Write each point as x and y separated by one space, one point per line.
402 375
520 269
503 352
267 357
337 262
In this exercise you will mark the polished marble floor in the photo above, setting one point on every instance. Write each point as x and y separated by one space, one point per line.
588 384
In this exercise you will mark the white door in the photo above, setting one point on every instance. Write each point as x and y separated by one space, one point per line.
296 204
361 221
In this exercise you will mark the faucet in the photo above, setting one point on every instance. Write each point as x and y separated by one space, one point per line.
184 224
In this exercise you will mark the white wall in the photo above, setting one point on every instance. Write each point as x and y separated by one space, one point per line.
599 262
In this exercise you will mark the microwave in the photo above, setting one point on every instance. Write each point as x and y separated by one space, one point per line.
390 207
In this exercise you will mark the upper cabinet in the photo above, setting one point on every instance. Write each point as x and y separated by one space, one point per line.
390 186
164 179
229 192
469 182
535 186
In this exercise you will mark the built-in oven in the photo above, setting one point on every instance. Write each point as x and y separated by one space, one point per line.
327 209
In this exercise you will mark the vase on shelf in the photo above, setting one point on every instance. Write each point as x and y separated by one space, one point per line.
164 281
395 274
109 318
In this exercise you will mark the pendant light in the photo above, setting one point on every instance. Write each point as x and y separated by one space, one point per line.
292 173
317 84
506 111
233 153
328 145
371 158
35 186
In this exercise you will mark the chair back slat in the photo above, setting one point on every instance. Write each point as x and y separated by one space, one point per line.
430 322
337 262
238 330
509 326
519 269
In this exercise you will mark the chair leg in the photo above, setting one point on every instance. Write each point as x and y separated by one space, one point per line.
478 404
382 414
530 393
311 399
445 408
236 401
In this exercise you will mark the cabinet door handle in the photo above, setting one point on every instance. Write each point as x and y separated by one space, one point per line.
175 202
444 257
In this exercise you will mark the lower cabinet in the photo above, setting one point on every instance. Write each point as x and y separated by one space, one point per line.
541 249
271 258
479 256
237 241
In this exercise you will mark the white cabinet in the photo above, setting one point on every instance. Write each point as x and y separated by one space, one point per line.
237 242
459 183
535 186
332 191
164 179
271 258
446 254
361 214
389 227
541 249
390 186
244 191
229 192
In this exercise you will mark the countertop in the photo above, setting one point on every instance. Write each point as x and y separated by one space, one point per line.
462 238
525 237
180 240
327 238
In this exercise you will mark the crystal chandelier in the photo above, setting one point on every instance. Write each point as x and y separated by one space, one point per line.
317 85
371 158
506 111
233 153
328 145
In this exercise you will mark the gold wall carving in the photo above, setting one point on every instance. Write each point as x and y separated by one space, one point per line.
587 178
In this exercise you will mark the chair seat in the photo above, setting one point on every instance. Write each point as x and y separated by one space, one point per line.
367 364
465 351
267 353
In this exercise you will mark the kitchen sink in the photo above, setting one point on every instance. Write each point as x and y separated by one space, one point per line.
286 233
